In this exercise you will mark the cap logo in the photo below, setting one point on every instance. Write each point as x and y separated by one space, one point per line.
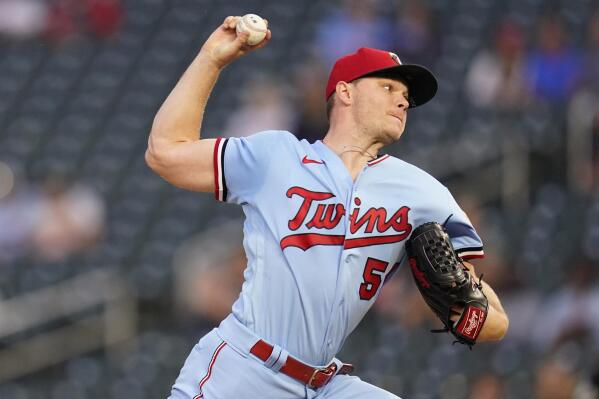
394 57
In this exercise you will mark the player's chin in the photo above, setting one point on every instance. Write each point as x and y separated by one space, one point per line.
395 133
389 138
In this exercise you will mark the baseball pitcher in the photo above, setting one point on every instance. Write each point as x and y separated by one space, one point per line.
325 225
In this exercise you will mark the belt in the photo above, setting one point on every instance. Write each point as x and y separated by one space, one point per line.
311 376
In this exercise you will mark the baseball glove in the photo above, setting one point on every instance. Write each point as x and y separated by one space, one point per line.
445 283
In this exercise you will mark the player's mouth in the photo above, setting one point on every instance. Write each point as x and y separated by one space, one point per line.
397 117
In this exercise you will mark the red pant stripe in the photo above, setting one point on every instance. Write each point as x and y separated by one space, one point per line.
212 361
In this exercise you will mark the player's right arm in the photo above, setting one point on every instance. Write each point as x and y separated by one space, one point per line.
175 150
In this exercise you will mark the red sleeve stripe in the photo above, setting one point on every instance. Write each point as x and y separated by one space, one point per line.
220 186
467 254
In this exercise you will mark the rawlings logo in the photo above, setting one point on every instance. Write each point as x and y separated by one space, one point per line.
471 324
326 216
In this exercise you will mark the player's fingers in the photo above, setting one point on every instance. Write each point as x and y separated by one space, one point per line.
242 41
231 22
243 36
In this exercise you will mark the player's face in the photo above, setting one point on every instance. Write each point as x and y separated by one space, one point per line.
381 107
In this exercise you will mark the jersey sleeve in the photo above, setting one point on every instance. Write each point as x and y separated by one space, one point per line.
241 165
464 237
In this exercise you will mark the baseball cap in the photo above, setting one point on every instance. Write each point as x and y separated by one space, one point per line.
422 84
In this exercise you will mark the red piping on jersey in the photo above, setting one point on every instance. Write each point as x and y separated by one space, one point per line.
381 159
308 240
215 163
209 373
366 241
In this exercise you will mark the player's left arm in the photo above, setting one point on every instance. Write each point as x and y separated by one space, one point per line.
497 321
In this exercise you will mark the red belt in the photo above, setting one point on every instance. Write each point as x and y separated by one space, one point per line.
311 376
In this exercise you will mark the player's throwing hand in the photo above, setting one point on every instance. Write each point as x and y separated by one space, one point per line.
224 45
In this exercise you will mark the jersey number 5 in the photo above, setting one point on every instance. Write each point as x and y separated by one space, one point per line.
374 270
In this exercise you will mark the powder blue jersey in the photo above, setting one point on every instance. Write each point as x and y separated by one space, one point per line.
319 245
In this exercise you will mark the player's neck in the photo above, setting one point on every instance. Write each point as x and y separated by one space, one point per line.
354 150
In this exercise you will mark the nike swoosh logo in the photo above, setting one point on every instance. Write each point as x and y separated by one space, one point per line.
306 160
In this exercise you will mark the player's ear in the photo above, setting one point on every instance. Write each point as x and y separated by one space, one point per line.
344 93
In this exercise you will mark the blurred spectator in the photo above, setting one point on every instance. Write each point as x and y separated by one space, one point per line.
7 180
583 118
590 74
553 67
415 38
355 24
22 19
217 287
62 20
104 17
570 313
587 387
20 210
264 107
49 224
496 78
555 380
487 386
69 19
209 273
72 219
593 381
310 122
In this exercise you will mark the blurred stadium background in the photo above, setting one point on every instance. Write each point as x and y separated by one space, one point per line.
108 276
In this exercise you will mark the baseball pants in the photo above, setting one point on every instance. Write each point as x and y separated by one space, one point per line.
217 370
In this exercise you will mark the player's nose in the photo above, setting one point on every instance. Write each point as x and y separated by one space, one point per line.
403 103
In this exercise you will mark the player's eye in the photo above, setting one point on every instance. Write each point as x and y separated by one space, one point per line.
387 87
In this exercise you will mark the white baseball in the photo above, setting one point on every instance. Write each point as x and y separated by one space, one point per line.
253 24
